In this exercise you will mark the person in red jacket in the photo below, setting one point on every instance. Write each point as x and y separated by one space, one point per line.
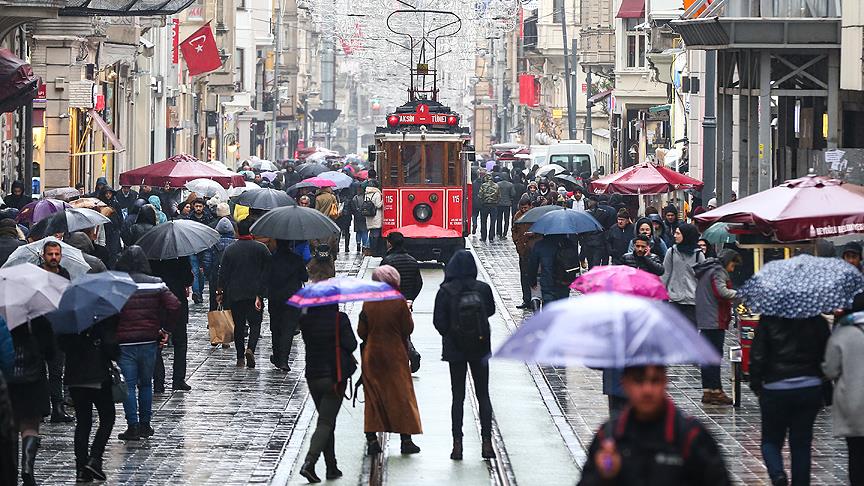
145 321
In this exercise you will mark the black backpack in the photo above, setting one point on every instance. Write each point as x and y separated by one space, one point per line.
566 263
368 208
470 325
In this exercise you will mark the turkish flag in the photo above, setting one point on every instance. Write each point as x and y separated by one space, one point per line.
200 52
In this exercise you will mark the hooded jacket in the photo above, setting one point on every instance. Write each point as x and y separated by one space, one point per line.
411 282
287 273
226 237
619 241
130 219
669 228
243 272
145 221
374 194
157 205
658 246
17 202
714 292
152 307
459 275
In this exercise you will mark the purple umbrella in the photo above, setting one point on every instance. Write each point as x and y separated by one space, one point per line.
343 289
608 330
41 209
269 175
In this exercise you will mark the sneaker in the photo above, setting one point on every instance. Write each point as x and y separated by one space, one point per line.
83 476
182 386
94 467
131 433
250 358
145 430
409 447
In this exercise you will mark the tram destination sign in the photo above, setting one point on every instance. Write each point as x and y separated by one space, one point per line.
422 116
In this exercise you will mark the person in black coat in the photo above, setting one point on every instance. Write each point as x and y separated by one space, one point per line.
287 275
642 258
144 222
176 273
89 357
408 268
126 197
9 241
129 220
786 374
28 387
327 374
112 229
619 236
451 304
651 442
17 198
242 286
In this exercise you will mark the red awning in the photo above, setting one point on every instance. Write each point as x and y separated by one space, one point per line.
179 170
644 178
631 9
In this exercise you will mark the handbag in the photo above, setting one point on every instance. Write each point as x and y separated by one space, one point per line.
413 355
119 389
220 323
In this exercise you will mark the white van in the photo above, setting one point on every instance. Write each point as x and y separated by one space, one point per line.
575 156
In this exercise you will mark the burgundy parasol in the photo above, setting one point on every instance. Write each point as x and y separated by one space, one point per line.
644 178
177 171
799 209
18 84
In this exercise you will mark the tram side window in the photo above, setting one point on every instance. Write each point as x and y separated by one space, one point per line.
452 161
435 163
412 162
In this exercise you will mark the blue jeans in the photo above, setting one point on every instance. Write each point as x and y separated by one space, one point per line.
137 362
198 276
794 410
711 374
363 239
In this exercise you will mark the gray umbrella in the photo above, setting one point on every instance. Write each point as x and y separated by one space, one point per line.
533 215
295 223
75 219
311 169
176 239
265 198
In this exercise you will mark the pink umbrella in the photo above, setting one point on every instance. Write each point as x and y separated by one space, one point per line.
621 279
320 182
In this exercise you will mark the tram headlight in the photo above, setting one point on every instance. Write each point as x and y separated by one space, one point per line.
422 212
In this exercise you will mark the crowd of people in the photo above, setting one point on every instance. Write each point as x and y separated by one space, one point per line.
46 374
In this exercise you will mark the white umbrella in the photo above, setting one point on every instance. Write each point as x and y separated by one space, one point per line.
549 168
236 191
207 188
264 165
72 259
218 165
342 180
27 292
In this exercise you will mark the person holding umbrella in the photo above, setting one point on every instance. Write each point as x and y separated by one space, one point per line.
176 273
243 276
287 275
789 348
144 323
89 359
52 253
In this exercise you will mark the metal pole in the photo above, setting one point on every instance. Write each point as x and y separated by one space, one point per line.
589 130
277 57
709 127
28 152
766 175
571 113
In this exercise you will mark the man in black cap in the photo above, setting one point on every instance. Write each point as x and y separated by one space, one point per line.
408 268
852 254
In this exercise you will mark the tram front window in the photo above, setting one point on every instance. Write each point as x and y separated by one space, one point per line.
411 163
435 164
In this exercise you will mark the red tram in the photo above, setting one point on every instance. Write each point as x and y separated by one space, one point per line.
423 158
422 153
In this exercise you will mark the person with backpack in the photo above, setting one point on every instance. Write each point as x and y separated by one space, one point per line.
490 193
678 275
463 306
354 206
556 257
373 210
652 442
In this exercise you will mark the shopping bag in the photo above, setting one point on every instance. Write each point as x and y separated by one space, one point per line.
221 325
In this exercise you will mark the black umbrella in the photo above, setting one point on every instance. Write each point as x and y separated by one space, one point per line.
535 214
176 239
264 198
569 178
311 169
300 185
75 219
295 223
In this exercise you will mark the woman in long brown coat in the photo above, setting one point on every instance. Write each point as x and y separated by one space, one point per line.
390 402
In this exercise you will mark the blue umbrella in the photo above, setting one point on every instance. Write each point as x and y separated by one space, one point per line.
608 330
90 299
801 287
343 289
566 222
